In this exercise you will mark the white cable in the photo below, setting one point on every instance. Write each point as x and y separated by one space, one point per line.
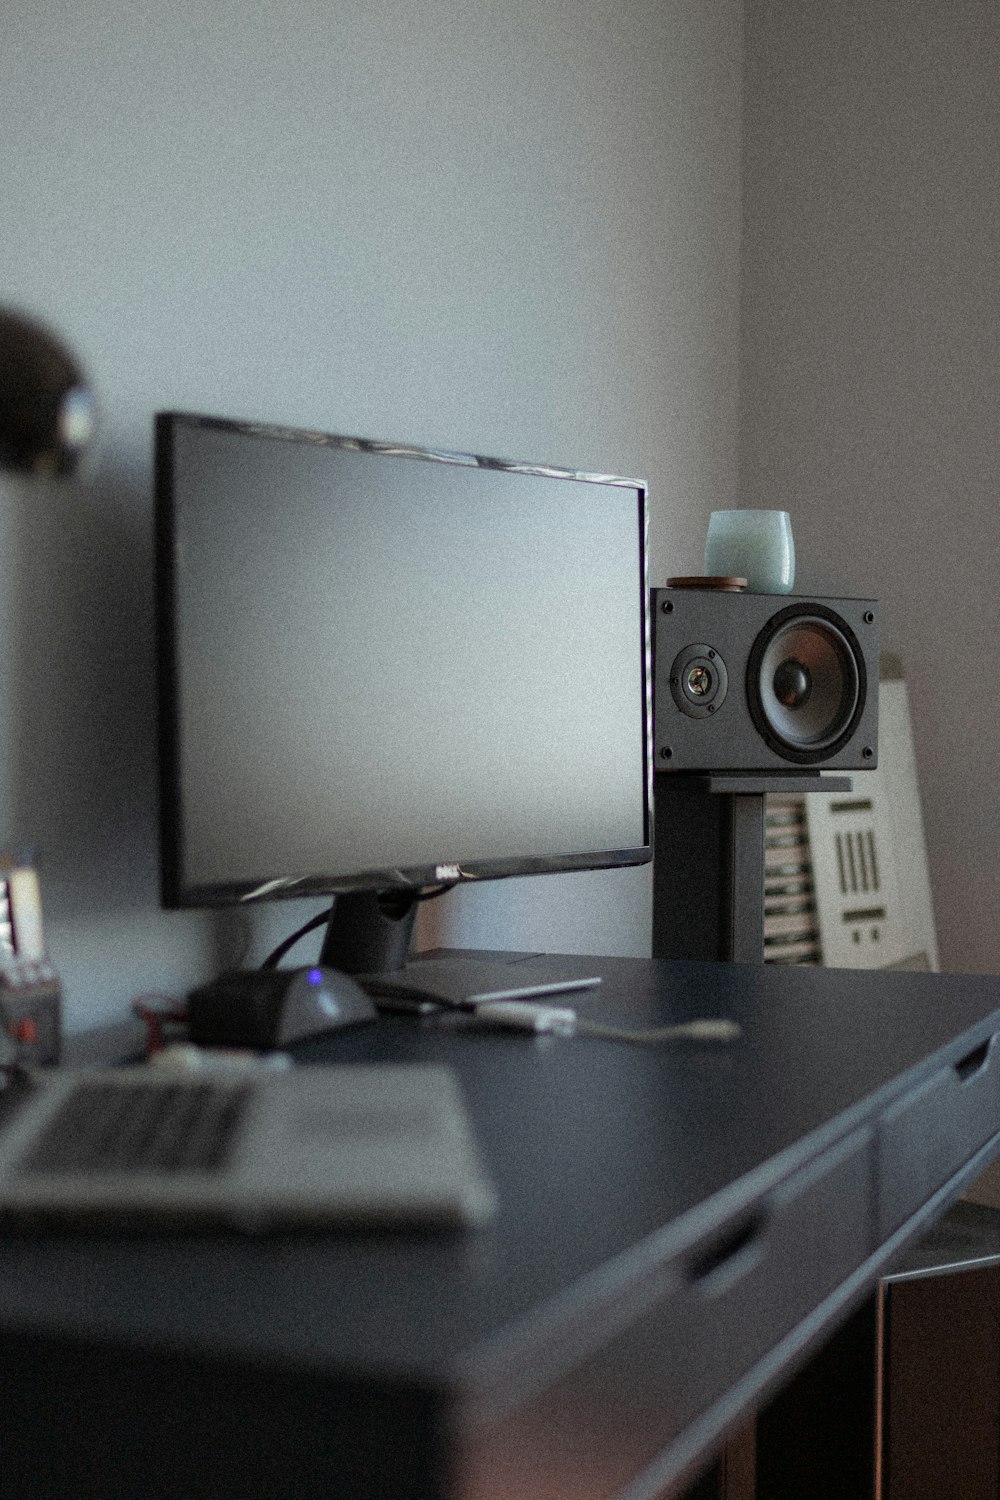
560 1020
708 1029
523 1015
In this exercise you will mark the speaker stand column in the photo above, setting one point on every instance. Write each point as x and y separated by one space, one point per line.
708 861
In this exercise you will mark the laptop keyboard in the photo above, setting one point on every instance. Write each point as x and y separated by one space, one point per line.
140 1127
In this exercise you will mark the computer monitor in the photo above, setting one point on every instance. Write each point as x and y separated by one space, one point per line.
385 670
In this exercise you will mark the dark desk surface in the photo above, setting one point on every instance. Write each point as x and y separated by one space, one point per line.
678 1227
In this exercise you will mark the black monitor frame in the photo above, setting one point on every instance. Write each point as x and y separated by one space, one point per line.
366 893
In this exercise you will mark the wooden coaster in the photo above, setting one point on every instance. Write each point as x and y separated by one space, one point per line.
724 585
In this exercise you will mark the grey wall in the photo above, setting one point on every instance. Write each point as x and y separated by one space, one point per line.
871 370
512 228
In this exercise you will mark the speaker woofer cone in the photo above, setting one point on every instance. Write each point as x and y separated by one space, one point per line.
806 683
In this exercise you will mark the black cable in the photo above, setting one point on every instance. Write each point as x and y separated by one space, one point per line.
274 958
431 892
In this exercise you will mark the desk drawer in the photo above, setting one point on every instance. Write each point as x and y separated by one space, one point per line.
927 1136
683 1338
811 1234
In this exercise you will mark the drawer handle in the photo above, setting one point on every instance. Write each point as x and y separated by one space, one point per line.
729 1258
974 1062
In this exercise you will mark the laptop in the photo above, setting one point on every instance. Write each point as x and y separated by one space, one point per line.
353 1146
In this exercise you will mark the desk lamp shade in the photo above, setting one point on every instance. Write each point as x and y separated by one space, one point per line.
46 407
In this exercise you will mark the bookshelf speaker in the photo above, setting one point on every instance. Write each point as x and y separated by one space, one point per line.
764 682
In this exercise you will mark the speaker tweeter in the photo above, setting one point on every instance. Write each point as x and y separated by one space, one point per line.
699 681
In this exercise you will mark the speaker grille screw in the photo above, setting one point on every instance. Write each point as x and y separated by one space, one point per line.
667 606
869 617
666 753
868 752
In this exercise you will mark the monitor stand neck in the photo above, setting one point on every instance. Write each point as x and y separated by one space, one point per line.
369 932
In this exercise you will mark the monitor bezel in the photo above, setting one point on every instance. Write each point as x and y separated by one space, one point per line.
178 893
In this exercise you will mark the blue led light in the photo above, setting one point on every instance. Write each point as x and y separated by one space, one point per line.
315 976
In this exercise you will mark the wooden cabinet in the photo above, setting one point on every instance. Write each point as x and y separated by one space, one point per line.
940 1386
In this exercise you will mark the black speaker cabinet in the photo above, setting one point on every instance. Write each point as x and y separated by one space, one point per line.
764 682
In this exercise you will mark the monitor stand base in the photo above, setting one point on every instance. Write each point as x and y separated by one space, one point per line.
368 936
461 983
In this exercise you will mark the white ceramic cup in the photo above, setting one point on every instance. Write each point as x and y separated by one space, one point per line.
753 544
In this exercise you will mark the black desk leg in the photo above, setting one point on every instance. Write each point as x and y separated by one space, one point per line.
733 1476
818 1437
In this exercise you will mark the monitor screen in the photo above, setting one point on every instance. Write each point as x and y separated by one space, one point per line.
383 667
